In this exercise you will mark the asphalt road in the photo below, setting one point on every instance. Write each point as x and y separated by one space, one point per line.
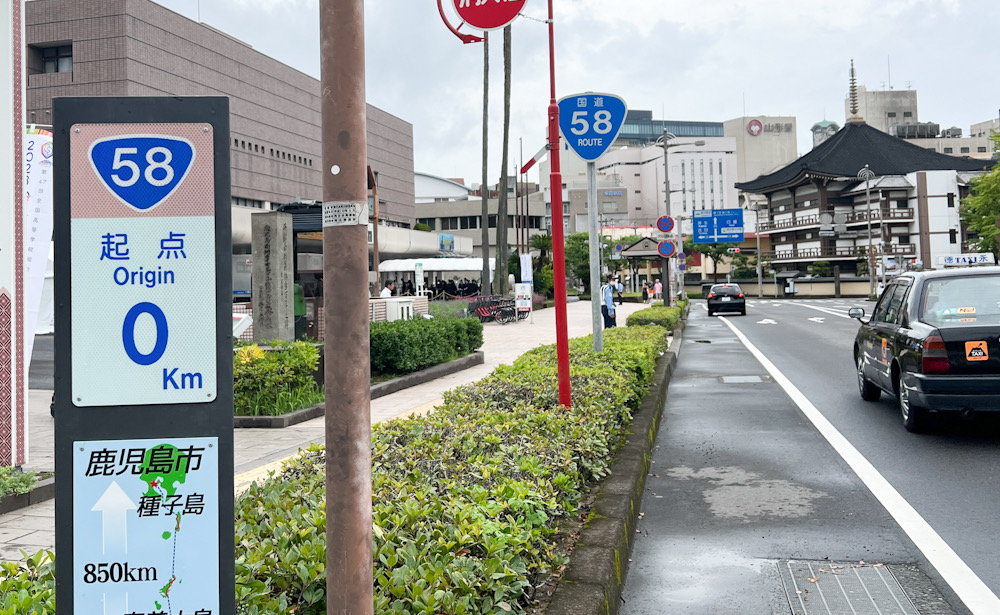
744 482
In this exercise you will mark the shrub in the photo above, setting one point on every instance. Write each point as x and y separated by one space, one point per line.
405 346
657 315
14 481
275 380
466 500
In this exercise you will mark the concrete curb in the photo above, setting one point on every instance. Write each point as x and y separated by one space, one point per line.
592 583
43 490
377 390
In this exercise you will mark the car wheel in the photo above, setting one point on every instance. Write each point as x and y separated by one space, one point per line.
915 419
869 392
711 313
743 312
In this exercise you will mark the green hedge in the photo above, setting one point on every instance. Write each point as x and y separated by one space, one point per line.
275 381
657 315
405 346
466 500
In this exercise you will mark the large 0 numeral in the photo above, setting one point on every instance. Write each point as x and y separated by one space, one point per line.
128 333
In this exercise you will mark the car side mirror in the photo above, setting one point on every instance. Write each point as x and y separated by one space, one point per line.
858 313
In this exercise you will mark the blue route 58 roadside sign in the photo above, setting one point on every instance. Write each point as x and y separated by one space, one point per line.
591 122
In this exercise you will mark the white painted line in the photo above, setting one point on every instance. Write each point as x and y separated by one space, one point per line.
978 598
818 319
825 310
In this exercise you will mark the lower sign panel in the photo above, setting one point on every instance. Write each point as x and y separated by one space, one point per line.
146 526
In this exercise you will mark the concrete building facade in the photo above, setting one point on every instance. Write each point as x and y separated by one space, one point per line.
763 143
139 48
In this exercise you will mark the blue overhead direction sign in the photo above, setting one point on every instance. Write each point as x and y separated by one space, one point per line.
591 122
718 225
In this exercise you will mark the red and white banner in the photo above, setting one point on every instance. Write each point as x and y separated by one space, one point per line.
13 363
538 158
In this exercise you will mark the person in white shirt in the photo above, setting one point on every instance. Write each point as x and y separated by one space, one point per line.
390 286
608 302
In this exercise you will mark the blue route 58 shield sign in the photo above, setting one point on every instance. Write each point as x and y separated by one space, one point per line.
590 122
142 171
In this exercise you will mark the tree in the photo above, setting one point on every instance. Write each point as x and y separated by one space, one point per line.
542 243
862 263
742 267
714 251
578 257
981 210
820 269
420 226
484 191
502 248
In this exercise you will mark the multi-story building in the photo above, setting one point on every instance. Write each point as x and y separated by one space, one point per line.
818 210
763 144
640 128
895 112
139 48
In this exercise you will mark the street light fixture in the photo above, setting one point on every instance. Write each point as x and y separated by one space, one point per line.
867 174
667 136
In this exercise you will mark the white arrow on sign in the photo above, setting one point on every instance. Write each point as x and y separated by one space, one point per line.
767 321
818 319
119 605
113 505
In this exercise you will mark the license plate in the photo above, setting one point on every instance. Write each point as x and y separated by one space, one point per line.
727 298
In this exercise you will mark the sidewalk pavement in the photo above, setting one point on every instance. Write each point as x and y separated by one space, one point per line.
259 451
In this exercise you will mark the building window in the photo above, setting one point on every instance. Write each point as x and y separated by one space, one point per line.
904 239
981 149
951 199
469 222
449 224
892 114
431 222
963 150
953 236
907 114
948 150
57 59
901 204
610 206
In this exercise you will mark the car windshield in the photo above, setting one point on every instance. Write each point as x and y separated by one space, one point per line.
726 289
961 301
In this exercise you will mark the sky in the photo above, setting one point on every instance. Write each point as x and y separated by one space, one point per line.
691 60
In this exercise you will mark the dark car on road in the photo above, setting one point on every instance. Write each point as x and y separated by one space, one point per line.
726 298
933 342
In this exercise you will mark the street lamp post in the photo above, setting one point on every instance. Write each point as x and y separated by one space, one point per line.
867 175
668 299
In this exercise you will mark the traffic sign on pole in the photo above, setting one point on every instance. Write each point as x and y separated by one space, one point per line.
666 249
718 225
591 122
144 380
665 224
488 15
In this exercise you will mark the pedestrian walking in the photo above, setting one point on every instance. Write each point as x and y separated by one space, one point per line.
657 290
645 293
390 286
608 302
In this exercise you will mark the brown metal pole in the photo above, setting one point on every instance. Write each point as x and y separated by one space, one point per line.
345 290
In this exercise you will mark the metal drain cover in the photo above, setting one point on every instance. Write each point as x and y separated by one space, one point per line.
740 379
831 588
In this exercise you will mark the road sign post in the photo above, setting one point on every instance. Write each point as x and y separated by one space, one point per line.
143 400
590 123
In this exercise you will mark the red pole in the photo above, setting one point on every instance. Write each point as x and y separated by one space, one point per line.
558 253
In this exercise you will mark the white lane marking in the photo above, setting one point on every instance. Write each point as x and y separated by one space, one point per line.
978 598
825 310
766 321
818 319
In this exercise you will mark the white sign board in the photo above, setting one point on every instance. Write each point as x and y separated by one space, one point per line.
143 264
37 227
145 524
522 297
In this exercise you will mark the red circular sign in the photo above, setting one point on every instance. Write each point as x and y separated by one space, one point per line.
666 249
665 224
488 14
754 127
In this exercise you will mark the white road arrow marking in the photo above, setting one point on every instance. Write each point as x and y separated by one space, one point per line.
114 504
818 319
767 321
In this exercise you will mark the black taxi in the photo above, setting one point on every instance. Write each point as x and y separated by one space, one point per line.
933 341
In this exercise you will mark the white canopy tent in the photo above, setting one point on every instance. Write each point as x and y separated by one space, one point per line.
442 265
